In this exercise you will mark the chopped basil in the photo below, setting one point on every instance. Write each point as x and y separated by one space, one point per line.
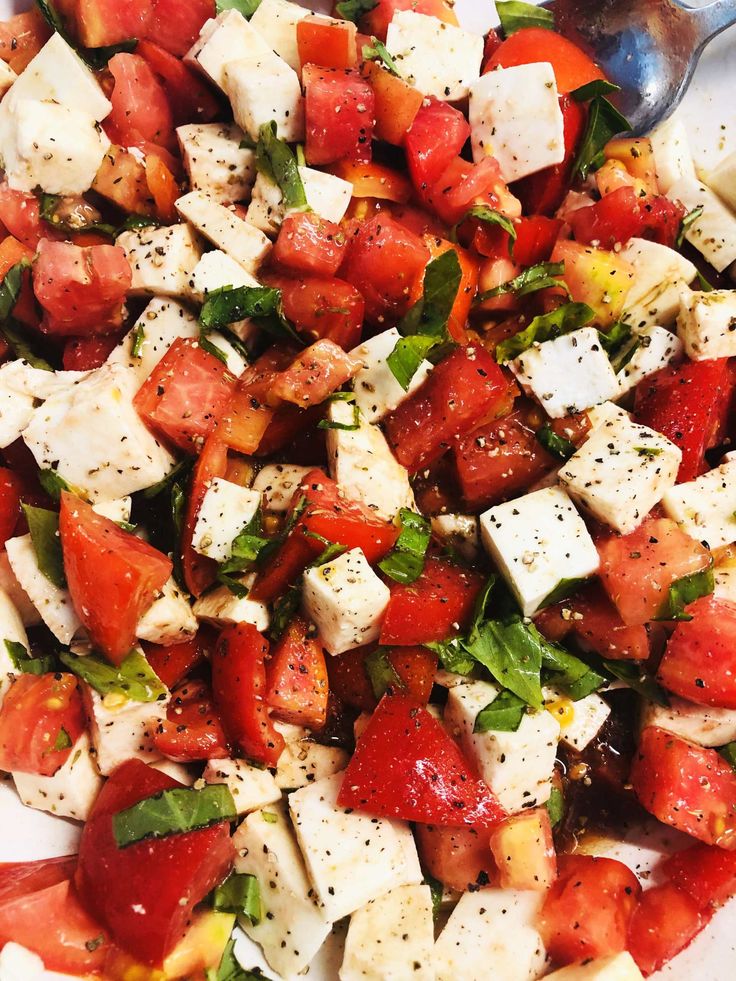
558 446
556 806
241 894
613 340
637 679
138 339
515 16
260 303
63 740
283 611
167 482
547 327
178 506
705 286
236 587
504 714
173 811
230 970
206 344
275 159
11 286
685 591
44 528
134 222
648 451
346 426
246 7
331 551
728 752
436 890
53 483
269 817
563 589
23 662
690 218
453 656
355 9
381 672
48 210
406 357
247 546
539 277
133 677
14 336
511 650
483 213
571 675
376 51
593 90
405 562
604 122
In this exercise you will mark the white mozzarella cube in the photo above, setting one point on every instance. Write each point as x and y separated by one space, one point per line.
222 608
460 531
225 511
515 116
582 719
327 195
724 570
117 510
216 270
705 725
221 39
276 21
492 927
12 631
178 771
277 482
169 619
713 234
122 729
53 604
616 967
251 787
215 161
517 766
95 439
16 411
376 390
162 259
295 926
20 599
17 963
706 507
538 541
7 77
707 324
21 388
160 324
657 348
722 180
351 858
237 238
660 276
262 88
71 791
568 374
303 761
606 414
621 472
391 938
672 157
437 58
346 600
362 464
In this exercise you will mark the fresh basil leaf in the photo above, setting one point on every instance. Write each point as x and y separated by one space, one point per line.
15 337
283 611
138 339
236 587
556 806
648 451
705 286
563 589
452 655
512 653
48 209
355 9
381 673
44 528
685 591
241 894
376 51
613 340
260 303
407 356
593 90
173 811
331 551
134 222
346 426
539 277
637 679
230 969
276 161
167 482
569 674
405 562
515 16
246 7
63 740
728 752
206 344
247 546
10 288
504 714
133 677
23 662
436 889
483 213
690 218
546 327
53 483
604 122
556 445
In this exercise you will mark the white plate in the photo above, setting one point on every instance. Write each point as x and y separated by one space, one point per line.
710 116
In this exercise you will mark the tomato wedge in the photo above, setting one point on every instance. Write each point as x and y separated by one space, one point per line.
297 677
699 661
192 729
665 921
572 67
40 720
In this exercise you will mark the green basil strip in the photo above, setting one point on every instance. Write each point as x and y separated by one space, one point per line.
167 482
241 894
512 653
331 551
260 303
376 51
547 327
705 286
407 356
453 656
728 752
571 675
355 9
44 528
246 7
206 344
133 677
138 338
604 122
405 562
15 337
276 161
11 286
48 207
689 219
247 546
593 90
556 806
483 213
381 673
637 680
504 714
685 591
515 16
53 483
230 970
135 222
555 445
172 812
346 426
436 889
23 662
63 740
615 339
283 611
539 277
563 589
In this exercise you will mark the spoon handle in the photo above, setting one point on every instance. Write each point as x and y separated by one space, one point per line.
714 18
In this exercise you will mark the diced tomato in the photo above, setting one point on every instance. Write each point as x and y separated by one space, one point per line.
310 244
662 220
86 353
327 44
122 180
175 26
185 395
190 98
611 221
524 851
12 252
22 37
192 730
340 115
414 667
20 213
434 607
464 185
176 661
314 375
22 878
374 180
245 418
699 661
460 858
463 391
397 103
166 876
599 277
572 67
199 571
286 566
113 576
81 290
706 873
163 187
240 690
535 239
406 766
40 719
664 922
322 307
376 21
100 23
688 404
687 786
11 488
297 678
383 262
435 138
588 909
140 110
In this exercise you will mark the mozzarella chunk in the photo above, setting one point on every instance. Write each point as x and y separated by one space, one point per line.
160 324
251 787
672 157
169 619
460 531
621 472
237 238
221 39
116 510
216 270
277 483
362 464
20 964
657 348
262 88
327 195
568 374
95 439
222 608
713 234
21 387
225 511
376 390
71 791
276 21
517 766
582 720
162 259
702 724
7 77
53 604
346 600
538 541
121 728
391 938
606 414
304 761
179 771
20 599
215 162
296 926
351 858
11 631
437 58
616 967
723 180
492 927
660 276
706 507
707 324
515 116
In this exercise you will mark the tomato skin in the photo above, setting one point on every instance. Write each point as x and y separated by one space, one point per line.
684 785
35 710
189 97
327 45
164 876
310 244
322 307
397 103
664 922
10 495
376 21
706 873
86 353
113 576
699 661
435 138
313 375
588 909
462 186
199 571
192 731
140 110
21 878
406 766
460 858
572 67
297 678
176 661
240 689
340 115
612 220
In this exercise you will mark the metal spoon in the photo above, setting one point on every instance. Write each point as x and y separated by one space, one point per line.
648 47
